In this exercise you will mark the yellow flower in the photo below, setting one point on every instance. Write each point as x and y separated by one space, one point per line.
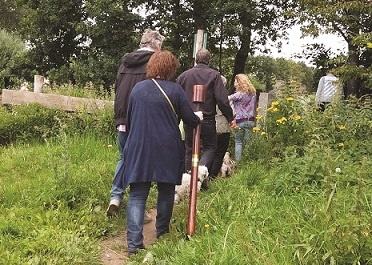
110 145
341 144
281 120
259 117
297 117
275 109
342 127
275 103
263 133
289 98
256 129
258 108
269 109
206 226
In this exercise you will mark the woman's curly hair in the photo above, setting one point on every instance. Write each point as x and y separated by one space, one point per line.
244 84
163 65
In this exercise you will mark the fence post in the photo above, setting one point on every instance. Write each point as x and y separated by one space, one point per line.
38 83
263 101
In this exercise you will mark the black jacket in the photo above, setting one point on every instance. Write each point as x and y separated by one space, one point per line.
215 92
131 71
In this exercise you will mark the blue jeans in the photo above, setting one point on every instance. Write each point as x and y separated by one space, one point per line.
117 190
242 136
136 209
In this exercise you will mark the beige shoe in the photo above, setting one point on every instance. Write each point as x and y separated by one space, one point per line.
147 218
113 208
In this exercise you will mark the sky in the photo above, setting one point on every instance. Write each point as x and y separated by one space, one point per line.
295 44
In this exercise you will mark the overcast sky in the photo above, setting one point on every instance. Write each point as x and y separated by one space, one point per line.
296 43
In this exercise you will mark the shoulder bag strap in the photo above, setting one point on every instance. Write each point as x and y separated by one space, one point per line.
165 95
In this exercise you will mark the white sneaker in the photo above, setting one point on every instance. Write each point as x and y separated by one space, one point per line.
147 218
113 208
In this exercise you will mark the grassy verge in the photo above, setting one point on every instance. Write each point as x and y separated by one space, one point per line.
54 197
302 195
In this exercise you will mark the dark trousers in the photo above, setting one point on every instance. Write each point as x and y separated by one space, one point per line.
322 106
208 138
223 140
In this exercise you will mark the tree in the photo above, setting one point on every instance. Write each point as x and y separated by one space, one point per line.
253 23
10 14
230 25
352 21
12 50
78 41
109 28
267 69
50 28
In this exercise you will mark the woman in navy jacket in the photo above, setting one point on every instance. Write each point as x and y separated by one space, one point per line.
154 151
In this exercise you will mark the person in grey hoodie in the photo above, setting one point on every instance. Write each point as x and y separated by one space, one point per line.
327 90
131 71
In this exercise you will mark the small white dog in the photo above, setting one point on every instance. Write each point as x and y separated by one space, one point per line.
183 190
228 166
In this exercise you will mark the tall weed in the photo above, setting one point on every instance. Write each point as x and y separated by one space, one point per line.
302 194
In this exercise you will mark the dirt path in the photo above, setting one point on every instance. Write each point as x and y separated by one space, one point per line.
114 249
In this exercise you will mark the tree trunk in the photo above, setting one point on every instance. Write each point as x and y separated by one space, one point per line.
352 83
242 54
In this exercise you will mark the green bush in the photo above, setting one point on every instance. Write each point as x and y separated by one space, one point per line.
34 122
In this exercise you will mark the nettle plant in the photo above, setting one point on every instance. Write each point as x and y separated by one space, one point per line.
324 154
293 125
283 126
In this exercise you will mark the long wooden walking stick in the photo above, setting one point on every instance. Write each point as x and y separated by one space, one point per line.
198 98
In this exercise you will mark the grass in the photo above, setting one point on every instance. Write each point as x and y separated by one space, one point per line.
52 202
54 198
289 208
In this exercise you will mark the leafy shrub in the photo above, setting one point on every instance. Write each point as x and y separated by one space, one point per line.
34 122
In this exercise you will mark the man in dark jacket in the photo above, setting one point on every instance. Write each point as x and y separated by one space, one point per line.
131 71
215 94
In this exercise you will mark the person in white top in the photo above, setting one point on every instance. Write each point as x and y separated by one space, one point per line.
327 90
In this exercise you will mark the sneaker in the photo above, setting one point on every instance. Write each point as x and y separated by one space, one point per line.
134 252
113 208
147 218
131 253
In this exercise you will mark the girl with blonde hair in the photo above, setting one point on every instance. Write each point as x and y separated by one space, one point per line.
244 100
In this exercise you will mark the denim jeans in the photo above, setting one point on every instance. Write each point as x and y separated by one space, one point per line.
136 208
242 136
117 190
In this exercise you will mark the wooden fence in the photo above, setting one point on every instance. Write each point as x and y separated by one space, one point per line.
18 97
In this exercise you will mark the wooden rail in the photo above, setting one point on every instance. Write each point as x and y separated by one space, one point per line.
17 97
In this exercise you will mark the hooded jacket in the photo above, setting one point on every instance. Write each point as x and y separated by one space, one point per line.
131 71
